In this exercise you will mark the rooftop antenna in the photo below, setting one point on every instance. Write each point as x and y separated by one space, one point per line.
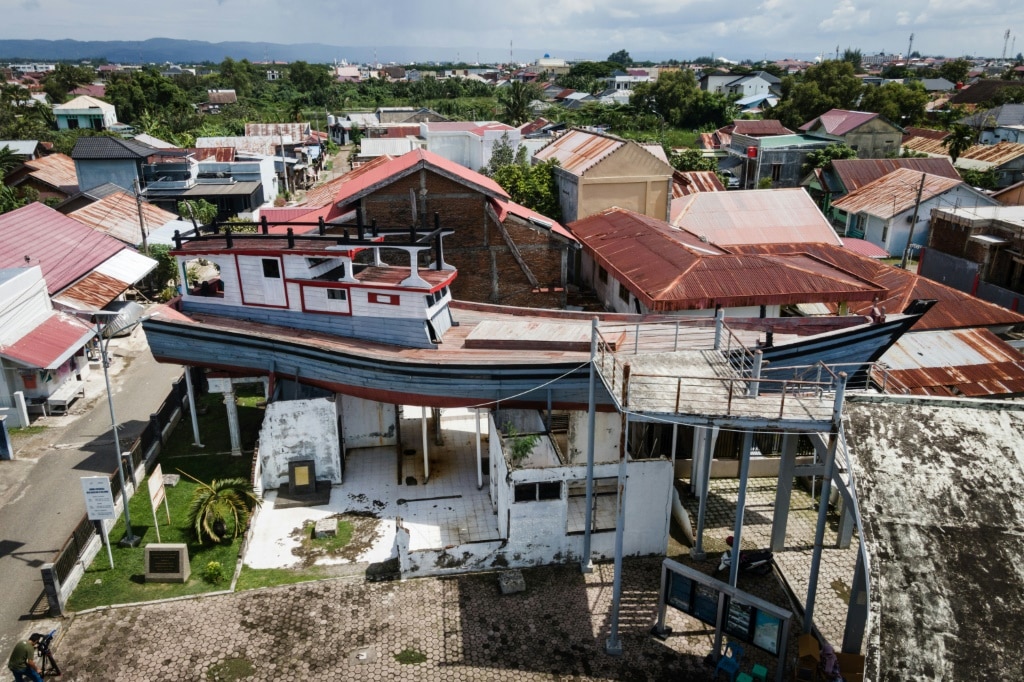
510 59
909 46
1006 41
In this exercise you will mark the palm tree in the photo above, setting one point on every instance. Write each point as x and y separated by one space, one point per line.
516 99
9 160
214 503
961 138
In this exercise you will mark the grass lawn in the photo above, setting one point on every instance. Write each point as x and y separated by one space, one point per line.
125 583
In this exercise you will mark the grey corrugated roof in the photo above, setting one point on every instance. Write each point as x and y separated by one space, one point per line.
110 148
1005 115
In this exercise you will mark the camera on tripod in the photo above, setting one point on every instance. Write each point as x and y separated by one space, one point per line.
49 667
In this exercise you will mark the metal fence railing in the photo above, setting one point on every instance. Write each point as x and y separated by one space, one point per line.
133 454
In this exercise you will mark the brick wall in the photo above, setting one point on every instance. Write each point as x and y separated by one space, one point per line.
488 273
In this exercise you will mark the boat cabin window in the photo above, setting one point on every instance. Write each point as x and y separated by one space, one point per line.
602 275
337 295
271 268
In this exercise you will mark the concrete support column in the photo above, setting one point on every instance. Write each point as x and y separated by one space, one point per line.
426 458
479 457
192 408
857 611
847 522
705 482
819 533
741 503
784 492
233 429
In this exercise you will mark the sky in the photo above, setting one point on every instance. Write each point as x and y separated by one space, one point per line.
655 29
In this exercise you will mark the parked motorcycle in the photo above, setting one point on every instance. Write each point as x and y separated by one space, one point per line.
758 562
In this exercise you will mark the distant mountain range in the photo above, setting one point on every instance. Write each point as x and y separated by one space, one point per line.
161 50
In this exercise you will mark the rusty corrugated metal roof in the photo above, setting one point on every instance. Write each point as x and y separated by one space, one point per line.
297 131
220 154
996 154
754 217
855 173
954 310
685 183
758 127
966 362
925 145
93 291
670 269
56 170
117 215
579 150
894 193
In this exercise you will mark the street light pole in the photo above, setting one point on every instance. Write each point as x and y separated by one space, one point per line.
129 539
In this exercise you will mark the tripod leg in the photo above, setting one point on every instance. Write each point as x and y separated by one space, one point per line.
55 669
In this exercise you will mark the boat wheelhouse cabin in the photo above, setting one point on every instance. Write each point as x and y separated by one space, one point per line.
330 280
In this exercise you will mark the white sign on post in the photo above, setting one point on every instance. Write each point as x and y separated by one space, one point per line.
99 505
156 496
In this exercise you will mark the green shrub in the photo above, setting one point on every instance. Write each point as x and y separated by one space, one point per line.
213 573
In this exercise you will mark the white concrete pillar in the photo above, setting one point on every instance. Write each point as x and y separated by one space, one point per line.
479 457
426 459
233 428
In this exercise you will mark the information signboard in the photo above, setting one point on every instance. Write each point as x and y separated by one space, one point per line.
99 503
738 620
767 632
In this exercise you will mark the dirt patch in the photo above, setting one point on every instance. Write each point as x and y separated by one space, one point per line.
364 531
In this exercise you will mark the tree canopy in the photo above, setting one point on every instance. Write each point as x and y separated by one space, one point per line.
829 85
532 186
620 57
676 98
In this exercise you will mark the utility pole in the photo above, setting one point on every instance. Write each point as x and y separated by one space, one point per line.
284 164
142 220
1006 41
909 46
913 223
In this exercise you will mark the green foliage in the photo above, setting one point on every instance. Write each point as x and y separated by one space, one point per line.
515 100
961 138
216 503
502 154
9 160
676 98
692 160
829 85
1014 95
9 199
213 573
853 57
520 445
902 104
764 183
231 670
410 657
956 70
145 91
819 158
59 83
202 210
985 179
532 186
166 265
620 57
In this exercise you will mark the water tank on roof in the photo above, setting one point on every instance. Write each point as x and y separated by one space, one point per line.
330 119
751 152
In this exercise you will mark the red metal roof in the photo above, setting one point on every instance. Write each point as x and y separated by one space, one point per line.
758 128
360 183
787 216
49 344
504 208
839 121
954 310
864 247
64 248
671 269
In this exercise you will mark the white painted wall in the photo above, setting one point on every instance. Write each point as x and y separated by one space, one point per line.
259 289
298 430
608 429
367 423
24 304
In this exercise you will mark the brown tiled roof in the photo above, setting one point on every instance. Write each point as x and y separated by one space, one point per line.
56 170
982 91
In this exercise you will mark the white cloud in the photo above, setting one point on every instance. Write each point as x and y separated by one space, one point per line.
846 17
902 18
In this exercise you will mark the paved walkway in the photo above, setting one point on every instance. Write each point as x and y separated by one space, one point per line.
453 628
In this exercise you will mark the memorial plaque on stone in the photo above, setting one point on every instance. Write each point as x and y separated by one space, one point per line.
301 477
167 563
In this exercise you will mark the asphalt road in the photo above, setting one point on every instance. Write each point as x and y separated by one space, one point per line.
40 492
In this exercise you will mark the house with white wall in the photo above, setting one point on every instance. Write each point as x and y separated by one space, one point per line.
84 112
883 212
42 351
467 143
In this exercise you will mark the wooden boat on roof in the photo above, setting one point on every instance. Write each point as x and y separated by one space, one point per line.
325 309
